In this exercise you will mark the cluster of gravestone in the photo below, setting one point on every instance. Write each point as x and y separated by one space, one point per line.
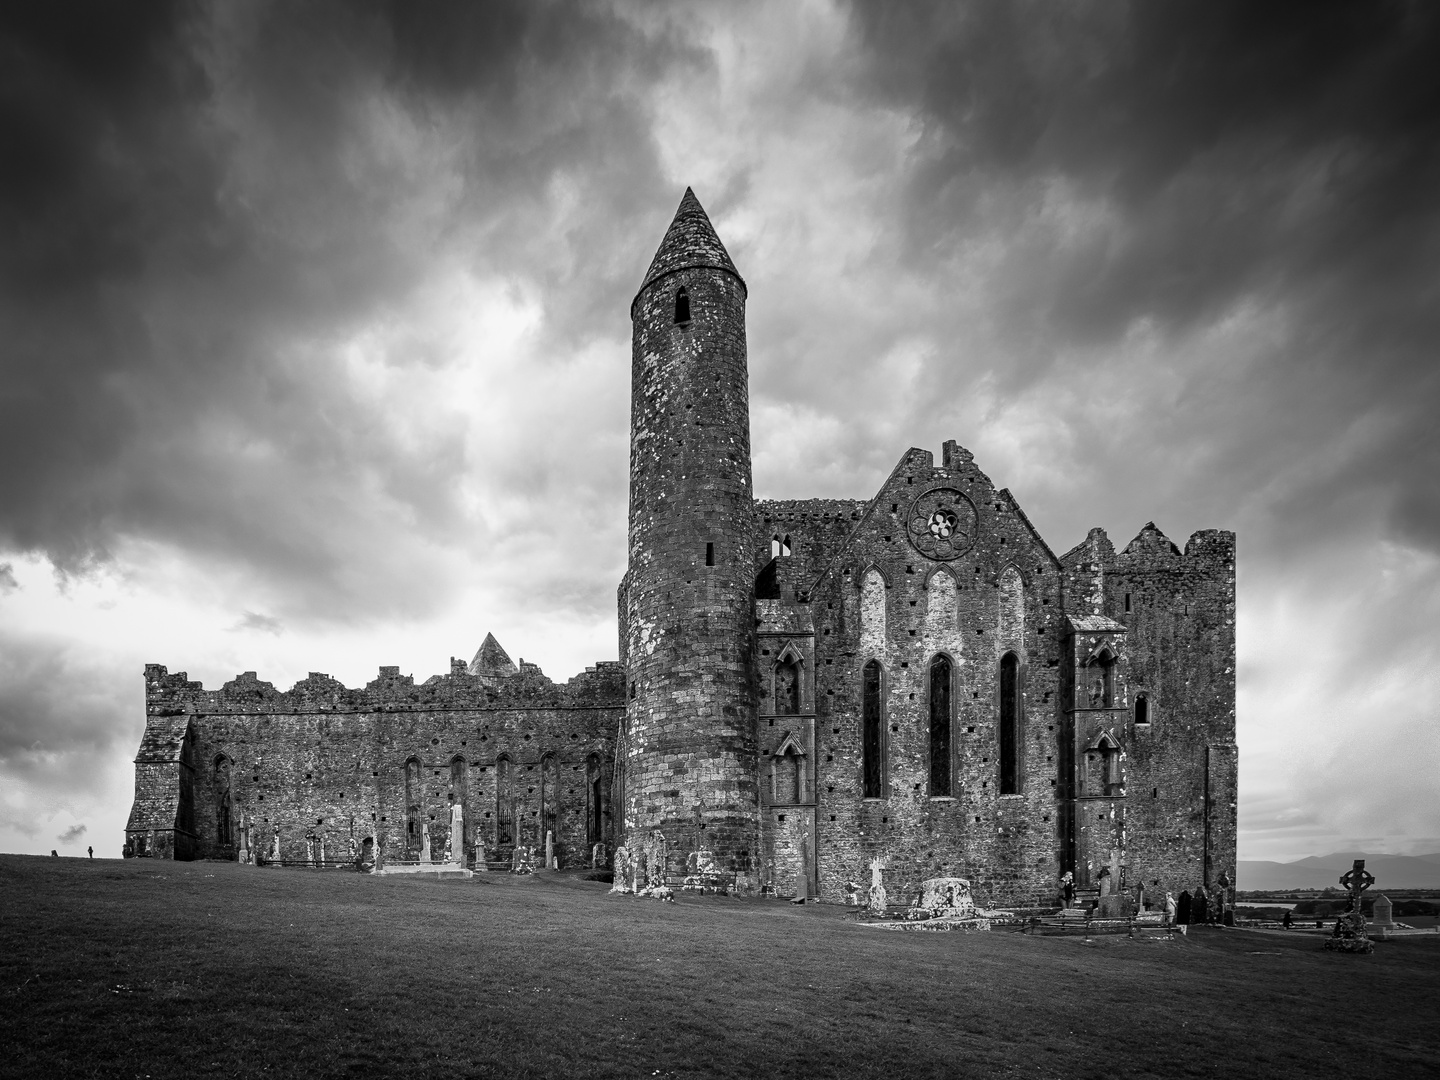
641 868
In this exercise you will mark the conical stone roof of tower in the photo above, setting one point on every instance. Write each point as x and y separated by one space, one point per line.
689 242
492 660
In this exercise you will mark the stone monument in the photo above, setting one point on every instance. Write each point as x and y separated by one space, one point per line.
275 848
1382 922
425 842
620 883
457 834
1349 935
878 900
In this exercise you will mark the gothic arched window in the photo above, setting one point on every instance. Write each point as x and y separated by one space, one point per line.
1010 724
412 804
1142 709
594 801
873 713
940 727
224 832
504 802
549 798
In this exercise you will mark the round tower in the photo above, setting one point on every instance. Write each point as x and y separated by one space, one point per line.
691 766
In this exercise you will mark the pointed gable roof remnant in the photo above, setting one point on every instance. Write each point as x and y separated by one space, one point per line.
690 242
1150 538
493 660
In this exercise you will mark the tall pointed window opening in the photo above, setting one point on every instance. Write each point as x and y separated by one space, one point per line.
1142 709
504 803
1009 724
940 727
872 710
594 801
224 832
549 799
459 784
413 820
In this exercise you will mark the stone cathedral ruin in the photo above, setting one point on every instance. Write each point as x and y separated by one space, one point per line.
804 686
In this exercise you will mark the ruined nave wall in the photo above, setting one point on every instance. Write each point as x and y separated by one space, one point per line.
323 760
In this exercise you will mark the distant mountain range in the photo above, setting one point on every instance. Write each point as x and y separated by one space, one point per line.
1319 871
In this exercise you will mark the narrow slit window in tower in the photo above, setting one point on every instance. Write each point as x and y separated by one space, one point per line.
874 734
709 554
1009 724
682 306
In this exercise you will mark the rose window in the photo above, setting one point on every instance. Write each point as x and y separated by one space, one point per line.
942 524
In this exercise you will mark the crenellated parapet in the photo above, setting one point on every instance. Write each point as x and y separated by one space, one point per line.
529 688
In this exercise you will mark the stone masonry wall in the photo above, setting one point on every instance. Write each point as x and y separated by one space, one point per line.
1178 610
325 760
1006 845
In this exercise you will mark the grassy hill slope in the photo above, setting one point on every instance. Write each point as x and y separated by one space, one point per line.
160 969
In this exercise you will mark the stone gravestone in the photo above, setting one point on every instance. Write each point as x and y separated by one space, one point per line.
1349 935
425 842
597 856
242 855
1382 925
620 883
878 899
275 848
1200 906
457 834
549 849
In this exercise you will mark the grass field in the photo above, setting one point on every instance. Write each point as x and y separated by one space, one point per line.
140 968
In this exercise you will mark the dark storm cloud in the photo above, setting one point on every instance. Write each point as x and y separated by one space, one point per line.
1242 157
55 701
197 208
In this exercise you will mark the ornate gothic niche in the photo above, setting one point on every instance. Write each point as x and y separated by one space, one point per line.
1099 681
942 523
787 772
788 682
1104 767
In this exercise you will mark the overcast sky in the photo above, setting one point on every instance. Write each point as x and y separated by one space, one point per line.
314 336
